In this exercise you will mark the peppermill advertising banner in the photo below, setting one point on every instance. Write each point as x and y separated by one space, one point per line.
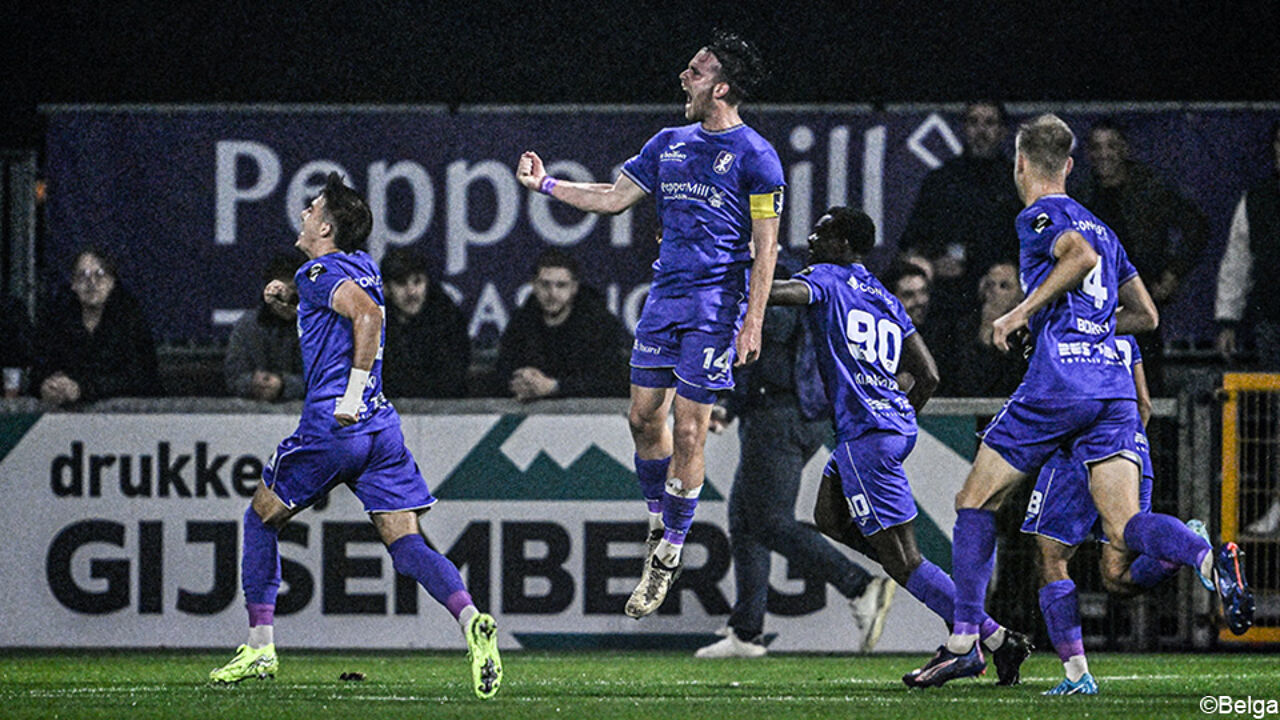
194 200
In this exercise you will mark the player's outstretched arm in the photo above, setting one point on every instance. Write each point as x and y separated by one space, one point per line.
917 360
352 303
1136 311
789 292
1074 258
600 198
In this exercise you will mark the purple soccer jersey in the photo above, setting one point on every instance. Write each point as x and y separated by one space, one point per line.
859 328
327 342
1075 355
708 187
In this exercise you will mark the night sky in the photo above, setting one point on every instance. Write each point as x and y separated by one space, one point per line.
626 52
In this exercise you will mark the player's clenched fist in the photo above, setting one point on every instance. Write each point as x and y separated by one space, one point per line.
529 170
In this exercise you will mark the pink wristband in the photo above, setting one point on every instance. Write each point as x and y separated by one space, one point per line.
547 185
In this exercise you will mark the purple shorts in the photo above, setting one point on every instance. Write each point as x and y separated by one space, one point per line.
869 468
376 466
1061 507
1027 433
681 344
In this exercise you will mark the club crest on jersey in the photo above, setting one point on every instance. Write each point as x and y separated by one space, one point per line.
315 271
724 161
1041 223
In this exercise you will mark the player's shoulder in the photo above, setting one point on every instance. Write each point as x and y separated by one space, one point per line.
1048 216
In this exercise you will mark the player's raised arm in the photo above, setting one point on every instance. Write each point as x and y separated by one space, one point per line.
352 303
1136 311
764 258
918 361
789 292
1074 258
600 198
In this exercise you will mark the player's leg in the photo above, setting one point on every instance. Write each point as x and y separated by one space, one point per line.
1060 607
832 517
974 541
688 468
288 474
395 495
647 417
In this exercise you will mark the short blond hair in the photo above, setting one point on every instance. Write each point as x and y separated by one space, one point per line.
1046 141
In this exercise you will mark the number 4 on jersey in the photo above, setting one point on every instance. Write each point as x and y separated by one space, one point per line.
1093 286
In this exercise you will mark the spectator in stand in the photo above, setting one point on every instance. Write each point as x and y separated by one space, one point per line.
1162 230
93 342
428 350
16 350
975 367
962 221
264 361
910 283
1253 243
562 342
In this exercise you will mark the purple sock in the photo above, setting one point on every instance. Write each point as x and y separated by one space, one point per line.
1149 572
933 587
1165 537
410 556
1062 617
259 569
677 517
973 556
652 475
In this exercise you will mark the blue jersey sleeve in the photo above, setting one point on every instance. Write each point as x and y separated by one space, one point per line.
811 277
1042 227
765 183
901 317
642 168
1125 271
317 281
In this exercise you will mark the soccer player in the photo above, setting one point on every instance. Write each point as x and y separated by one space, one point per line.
867 350
1081 290
1061 515
718 186
348 434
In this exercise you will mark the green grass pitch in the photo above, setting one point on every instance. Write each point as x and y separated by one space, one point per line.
605 686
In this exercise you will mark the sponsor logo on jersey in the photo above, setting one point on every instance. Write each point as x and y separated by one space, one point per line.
315 271
1090 226
724 162
673 154
1041 223
650 349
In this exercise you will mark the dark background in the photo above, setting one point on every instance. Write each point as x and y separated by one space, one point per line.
625 52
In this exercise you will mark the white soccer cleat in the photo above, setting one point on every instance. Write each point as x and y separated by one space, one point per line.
870 610
731 647
656 580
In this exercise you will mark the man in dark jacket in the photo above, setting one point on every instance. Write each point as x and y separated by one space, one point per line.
562 342
428 350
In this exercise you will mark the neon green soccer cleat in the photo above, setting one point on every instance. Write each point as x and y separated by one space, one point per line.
261 663
482 651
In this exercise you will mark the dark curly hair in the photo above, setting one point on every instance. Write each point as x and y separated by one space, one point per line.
740 64
349 214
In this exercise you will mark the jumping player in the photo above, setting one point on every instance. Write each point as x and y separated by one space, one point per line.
348 434
1076 396
867 348
718 186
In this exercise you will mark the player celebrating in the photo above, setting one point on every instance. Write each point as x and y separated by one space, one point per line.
867 342
1061 514
348 434
1076 396
718 186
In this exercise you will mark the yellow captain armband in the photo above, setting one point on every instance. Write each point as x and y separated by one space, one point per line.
767 205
